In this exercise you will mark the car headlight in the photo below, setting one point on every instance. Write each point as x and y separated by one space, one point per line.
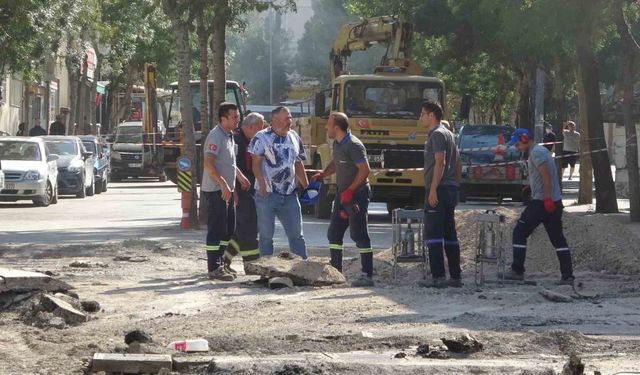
76 167
32 176
115 156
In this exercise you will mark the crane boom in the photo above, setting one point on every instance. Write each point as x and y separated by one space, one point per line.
359 36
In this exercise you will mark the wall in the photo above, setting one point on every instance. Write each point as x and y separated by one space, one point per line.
619 154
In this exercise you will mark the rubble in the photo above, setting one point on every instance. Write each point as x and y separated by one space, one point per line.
25 281
130 363
422 350
574 366
137 335
85 264
62 309
280 282
301 272
90 306
464 343
554 296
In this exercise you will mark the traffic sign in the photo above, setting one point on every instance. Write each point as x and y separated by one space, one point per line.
184 163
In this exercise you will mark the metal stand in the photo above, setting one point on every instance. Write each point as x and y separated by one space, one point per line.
408 245
489 245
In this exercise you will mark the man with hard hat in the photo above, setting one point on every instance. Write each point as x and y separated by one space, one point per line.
351 204
545 208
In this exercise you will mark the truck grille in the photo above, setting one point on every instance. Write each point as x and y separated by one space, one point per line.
395 156
131 156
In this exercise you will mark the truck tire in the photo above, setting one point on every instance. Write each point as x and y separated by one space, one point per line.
324 204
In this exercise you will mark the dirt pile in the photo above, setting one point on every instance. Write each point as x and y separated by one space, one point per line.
600 243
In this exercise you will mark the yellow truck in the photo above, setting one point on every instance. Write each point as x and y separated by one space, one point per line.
383 109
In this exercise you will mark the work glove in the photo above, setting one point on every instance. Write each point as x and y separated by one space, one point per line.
317 176
549 206
346 196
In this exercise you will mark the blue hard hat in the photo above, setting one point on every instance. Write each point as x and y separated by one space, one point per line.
311 194
519 135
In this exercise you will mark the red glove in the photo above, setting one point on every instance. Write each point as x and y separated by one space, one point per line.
344 215
346 196
549 206
317 176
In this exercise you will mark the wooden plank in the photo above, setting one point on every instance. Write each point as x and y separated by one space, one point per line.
130 363
22 281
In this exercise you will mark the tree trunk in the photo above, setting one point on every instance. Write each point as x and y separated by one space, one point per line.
627 54
218 47
74 76
585 193
605 189
124 104
203 72
183 51
525 104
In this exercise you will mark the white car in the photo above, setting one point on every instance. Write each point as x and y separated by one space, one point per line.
30 172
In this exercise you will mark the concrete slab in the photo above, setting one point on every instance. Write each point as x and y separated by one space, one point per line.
23 281
130 363
301 272
63 309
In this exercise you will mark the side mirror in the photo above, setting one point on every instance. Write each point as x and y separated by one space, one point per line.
52 157
87 154
319 105
465 107
110 138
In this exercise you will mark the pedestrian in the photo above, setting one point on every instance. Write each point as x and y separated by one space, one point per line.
545 207
441 181
218 184
277 160
57 127
350 207
21 130
245 239
570 147
37 131
549 138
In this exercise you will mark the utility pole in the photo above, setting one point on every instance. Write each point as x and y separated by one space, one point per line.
270 56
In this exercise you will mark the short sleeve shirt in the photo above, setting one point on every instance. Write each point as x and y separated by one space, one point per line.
571 141
440 140
221 145
279 157
538 156
347 154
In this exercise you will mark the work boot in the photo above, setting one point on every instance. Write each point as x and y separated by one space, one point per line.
220 274
455 283
228 269
569 280
512 275
362 281
436 282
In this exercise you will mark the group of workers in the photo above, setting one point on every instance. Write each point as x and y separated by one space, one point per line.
252 174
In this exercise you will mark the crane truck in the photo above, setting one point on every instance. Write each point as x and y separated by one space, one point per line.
383 110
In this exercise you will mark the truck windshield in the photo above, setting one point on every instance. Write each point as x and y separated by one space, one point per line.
18 150
129 134
390 99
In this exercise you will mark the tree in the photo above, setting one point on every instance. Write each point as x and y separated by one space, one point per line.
628 55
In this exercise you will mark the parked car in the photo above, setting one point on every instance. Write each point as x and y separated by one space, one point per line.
489 168
75 165
30 172
1 176
129 156
100 152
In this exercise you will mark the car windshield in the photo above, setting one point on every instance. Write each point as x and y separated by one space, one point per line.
129 134
486 138
391 99
62 147
19 150
90 146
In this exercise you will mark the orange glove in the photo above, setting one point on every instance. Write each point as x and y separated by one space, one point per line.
346 196
549 206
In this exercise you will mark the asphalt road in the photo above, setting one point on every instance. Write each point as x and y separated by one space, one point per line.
145 209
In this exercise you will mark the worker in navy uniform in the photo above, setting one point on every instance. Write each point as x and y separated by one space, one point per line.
442 171
245 239
545 208
351 204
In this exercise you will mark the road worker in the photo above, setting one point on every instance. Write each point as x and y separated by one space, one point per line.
245 239
545 207
350 207
218 185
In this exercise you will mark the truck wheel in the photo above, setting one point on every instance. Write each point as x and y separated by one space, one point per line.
325 201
